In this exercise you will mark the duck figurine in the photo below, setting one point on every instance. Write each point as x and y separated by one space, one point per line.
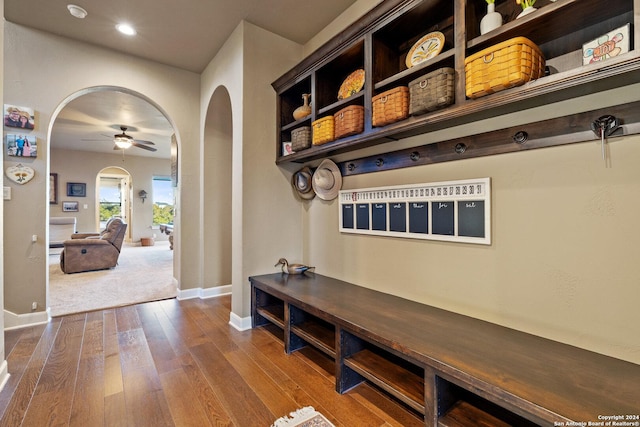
292 268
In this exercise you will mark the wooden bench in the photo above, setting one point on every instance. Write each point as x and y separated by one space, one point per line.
453 369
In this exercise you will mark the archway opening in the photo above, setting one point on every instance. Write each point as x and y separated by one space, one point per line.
82 150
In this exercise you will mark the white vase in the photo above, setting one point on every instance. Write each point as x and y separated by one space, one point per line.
491 20
527 10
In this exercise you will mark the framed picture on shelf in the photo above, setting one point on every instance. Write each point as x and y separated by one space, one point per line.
76 189
53 188
606 46
69 206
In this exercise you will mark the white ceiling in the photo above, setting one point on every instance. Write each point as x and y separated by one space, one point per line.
185 34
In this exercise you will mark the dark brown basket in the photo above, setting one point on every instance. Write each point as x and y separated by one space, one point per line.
349 121
390 106
301 138
432 91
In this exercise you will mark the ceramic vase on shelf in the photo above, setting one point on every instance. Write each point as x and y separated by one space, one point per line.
527 10
491 20
304 110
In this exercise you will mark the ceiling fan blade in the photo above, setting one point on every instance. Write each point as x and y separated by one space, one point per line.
144 147
142 141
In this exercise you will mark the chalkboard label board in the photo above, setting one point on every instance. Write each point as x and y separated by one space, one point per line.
471 218
443 217
347 216
398 217
379 216
452 211
362 216
419 217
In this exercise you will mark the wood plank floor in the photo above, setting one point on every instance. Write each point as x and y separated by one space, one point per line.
169 363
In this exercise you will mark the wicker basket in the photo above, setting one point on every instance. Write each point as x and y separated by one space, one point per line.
432 91
511 63
301 138
349 121
323 131
390 106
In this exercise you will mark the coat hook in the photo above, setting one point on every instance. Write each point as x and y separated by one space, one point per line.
414 156
460 148
603 127
379 161
351 167
520 137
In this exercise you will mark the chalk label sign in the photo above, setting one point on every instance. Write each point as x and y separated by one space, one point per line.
455 211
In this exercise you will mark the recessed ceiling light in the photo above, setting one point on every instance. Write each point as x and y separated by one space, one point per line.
77 11
126 29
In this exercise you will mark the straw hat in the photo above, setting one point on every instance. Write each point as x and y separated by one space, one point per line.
327 180
301 182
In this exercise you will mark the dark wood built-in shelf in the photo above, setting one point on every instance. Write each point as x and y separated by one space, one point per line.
380 40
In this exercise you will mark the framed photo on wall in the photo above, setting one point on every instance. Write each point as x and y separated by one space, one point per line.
21 145
76 189
18 117
53 188
69 206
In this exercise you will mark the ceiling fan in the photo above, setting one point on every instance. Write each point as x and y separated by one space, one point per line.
123 141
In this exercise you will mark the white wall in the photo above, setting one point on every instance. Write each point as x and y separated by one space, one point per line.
83 166
70 68
265 216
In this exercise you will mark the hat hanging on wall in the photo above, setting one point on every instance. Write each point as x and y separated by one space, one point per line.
327 180
301 182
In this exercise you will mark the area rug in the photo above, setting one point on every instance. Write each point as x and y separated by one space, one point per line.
143 273
303 417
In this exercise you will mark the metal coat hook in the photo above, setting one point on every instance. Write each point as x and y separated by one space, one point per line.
603 127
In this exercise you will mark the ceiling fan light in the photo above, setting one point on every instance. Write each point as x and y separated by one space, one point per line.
122 142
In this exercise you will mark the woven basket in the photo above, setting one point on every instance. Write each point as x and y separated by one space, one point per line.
511 63
301 138
349 121
390 106
323 131
432 91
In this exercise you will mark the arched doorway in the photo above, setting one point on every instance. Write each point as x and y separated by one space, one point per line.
82 149
113 197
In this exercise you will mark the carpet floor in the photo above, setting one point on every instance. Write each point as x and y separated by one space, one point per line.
143 273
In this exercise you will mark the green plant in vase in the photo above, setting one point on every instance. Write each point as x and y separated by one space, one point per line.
527 7
492 19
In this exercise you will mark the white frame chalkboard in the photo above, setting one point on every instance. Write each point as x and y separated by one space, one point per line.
453 211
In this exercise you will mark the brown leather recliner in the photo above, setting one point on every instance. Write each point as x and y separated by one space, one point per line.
93 251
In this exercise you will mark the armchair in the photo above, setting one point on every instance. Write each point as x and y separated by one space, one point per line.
93 251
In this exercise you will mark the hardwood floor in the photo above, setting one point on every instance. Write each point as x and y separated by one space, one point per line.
173 363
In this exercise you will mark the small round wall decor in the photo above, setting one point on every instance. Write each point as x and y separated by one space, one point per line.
20 174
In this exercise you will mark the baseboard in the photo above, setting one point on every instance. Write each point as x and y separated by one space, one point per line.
17 321
204 293
4 374
240 323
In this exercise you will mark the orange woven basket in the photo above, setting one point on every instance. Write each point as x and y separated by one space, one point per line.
349 121
511 63
323 131
390 106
